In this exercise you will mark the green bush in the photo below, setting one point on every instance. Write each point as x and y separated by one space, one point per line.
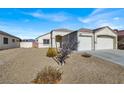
52 52
49 75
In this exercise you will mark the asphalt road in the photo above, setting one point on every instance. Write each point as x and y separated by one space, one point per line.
116 56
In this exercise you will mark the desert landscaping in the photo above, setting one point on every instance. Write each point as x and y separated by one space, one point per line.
21 65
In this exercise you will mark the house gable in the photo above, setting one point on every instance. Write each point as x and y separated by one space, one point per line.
105 31
46 36
42 36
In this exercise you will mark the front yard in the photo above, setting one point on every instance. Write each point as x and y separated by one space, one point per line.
22 65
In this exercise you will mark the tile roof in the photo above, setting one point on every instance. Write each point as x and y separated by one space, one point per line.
121 32
58 30
62 30
101 28
85 30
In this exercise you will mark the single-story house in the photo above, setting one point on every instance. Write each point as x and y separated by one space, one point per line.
96 39
28 43
121 39
8 41
44 41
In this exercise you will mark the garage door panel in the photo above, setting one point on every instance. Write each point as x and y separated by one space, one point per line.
85 43
104 43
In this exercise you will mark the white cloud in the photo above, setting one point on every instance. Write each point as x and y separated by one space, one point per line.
83 20
94 18
58 17
95 15
113 26
102 17
97 11
116 18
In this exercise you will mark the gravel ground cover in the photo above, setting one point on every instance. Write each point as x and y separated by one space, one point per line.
20 66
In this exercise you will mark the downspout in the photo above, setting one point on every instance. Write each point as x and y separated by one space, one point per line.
94 40
77 40
51 33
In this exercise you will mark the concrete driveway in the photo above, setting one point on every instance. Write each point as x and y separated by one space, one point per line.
116 56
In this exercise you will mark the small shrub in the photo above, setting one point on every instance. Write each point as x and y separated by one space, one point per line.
48 75
52 52
86 55
65 51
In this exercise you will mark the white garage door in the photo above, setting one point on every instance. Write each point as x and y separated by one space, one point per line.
84 43
104 43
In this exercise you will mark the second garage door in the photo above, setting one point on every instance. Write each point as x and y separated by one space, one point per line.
104 43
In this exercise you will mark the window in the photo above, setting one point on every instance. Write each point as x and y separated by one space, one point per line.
46 41
13 40
5 40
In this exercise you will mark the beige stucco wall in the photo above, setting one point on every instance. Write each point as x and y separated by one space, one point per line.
102 32
40 41
47 36
77 36
10 43
107 32
54 34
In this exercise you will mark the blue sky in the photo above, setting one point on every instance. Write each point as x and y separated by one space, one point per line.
33 22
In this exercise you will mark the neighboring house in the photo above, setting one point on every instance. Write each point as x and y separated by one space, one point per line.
28 43
8 41
44 41
97 39
121 39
